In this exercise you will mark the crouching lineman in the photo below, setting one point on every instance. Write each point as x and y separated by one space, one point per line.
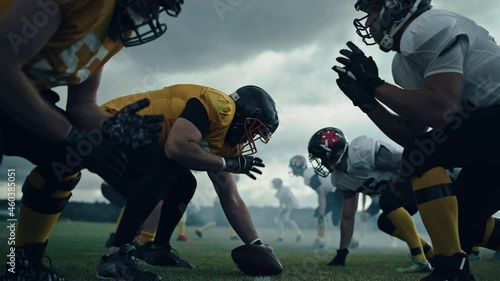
206 130
368 166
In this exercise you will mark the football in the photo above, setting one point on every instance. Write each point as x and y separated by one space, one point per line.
255 260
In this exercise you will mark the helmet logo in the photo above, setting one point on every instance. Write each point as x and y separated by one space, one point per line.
328 139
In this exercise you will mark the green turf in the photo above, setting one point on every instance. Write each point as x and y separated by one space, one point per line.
75 249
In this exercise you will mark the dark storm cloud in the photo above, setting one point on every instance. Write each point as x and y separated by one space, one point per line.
204 36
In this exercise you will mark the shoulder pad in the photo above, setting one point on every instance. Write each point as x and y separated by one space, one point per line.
361 149
431 32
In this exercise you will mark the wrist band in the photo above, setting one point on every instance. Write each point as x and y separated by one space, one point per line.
223 164
253 241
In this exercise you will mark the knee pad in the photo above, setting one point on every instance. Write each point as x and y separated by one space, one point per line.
44 194
388 202
385 225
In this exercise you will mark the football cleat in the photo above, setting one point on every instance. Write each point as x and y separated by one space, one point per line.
354 244
280 239
199 234
319 244
141 250
475 256
166 257
298 238
454 268
496 256
414 266
234 237
122 265
29 265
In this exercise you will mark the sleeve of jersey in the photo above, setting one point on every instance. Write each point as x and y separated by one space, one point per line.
196 113
315 182
429 36
361 153
387 159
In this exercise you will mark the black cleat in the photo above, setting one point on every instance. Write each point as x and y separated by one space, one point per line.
123 266
29 265
166 257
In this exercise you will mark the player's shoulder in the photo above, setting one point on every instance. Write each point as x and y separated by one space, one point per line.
361 150
431 32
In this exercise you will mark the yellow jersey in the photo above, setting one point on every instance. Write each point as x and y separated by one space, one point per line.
79 47
171 101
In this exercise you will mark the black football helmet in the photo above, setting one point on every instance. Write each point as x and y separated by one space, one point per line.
326 149
139 28
393 14
298 164
277 183
256 118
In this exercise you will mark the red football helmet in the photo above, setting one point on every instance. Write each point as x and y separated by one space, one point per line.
298 164
326 149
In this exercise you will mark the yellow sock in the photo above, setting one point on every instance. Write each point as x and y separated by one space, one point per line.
428 250
407 231
440 216
207 226
489 240
182 227
30 220
146 237
322 230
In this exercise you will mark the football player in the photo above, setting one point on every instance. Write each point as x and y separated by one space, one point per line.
368 166
66 43
287 202
329 200
204 130
446 69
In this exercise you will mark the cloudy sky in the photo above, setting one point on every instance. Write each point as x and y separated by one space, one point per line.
284 46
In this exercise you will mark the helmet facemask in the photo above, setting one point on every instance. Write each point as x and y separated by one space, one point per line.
254 130
137 29
255 119
392 15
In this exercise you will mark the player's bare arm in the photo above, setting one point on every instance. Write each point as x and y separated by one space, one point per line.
82 103
234 207
20 99
182 145
429 105
347 221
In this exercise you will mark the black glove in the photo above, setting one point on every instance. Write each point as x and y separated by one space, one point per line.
92 151
339 258
267 246
244 165
321 221
131 129
359 67
356 93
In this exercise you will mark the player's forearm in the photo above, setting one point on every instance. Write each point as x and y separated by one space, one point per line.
346 232
239 218
396 128
88 116
192 156
21 103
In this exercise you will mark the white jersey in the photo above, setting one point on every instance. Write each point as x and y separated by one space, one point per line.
326 183
429 45
362 174
286 197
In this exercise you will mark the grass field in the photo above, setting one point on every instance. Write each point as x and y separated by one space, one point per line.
75 248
